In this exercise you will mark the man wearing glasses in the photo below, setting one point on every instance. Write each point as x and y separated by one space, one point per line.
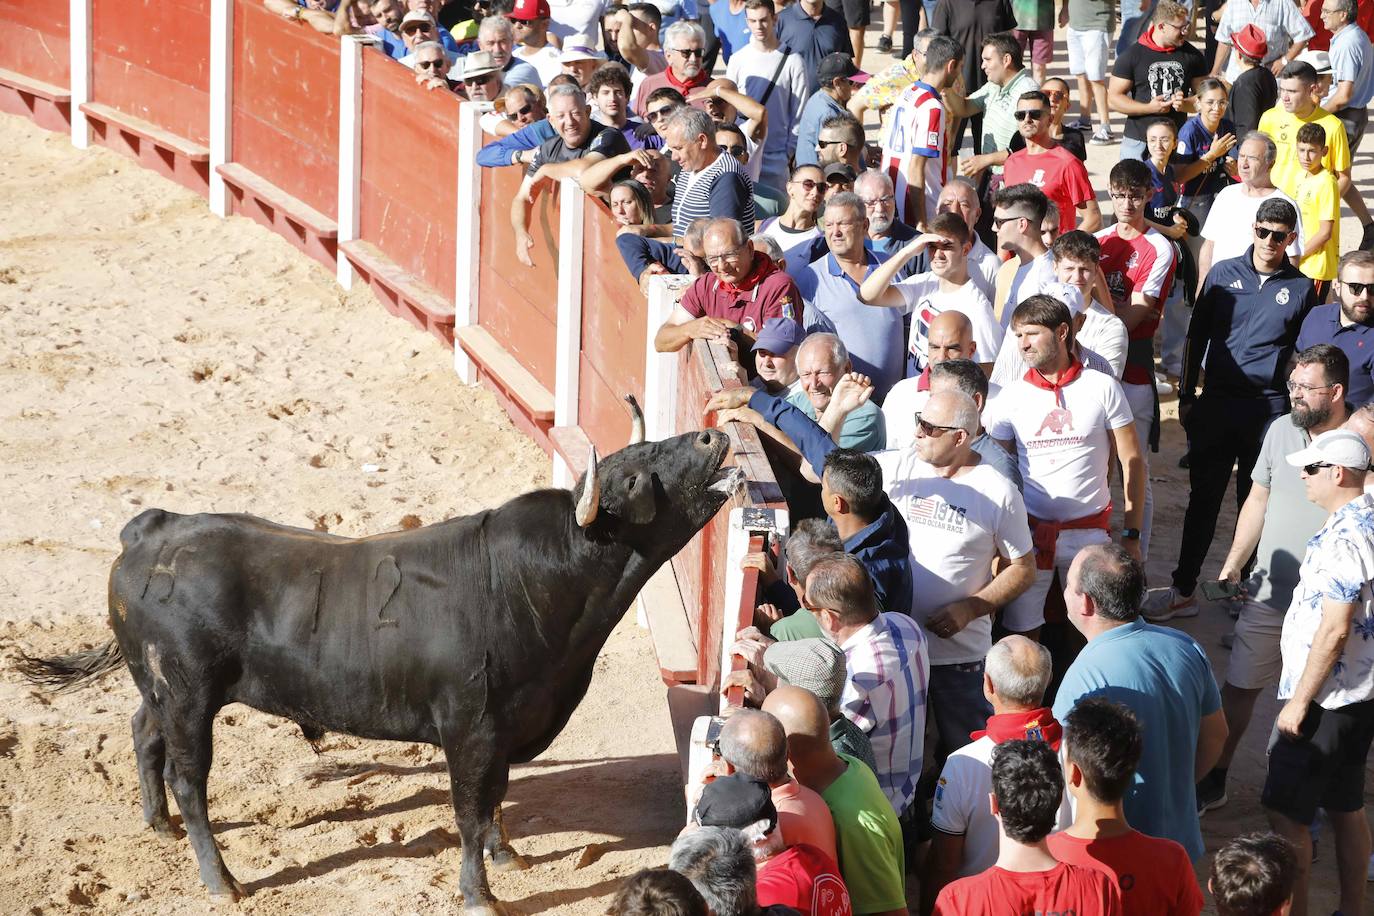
1274 527
742 291
431 65
683 43
1245 323
1236 205
530 25
1051 167
839 78
1159 75
1348 323
1324 729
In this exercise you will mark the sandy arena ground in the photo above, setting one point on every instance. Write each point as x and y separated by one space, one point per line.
223 371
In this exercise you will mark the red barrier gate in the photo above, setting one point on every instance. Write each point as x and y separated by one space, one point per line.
35 61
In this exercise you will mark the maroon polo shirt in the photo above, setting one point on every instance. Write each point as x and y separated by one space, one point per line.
767 293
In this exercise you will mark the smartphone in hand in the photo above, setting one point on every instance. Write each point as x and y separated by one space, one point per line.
1220 589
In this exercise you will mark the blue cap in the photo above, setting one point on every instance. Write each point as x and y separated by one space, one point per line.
779 335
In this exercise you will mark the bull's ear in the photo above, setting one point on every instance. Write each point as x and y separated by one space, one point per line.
638 499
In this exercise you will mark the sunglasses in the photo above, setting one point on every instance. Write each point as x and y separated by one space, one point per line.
1358 289
811 184
999 221
941 246
735 150
663 112
931 429
431 64
1055 95
1262 233
826 144
1035 114
689 52
1311 469
416 27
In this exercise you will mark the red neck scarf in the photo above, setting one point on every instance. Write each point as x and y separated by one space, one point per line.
923 380
763 266
1065 378
1038 724
1147 38
701 79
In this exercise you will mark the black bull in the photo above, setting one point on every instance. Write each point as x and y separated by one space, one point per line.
477 634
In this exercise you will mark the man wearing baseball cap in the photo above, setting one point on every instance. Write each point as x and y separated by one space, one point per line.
839 79
1324 729
775 356
530 24
1255 90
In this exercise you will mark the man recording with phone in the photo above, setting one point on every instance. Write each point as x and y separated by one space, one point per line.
1274 525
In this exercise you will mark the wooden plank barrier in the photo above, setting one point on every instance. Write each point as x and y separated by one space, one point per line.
35 62
150 85
284 129
407 195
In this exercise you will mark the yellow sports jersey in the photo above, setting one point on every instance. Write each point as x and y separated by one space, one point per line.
1282 128
1319 200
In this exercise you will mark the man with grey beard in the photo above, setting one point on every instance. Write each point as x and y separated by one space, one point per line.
885 231
1274 526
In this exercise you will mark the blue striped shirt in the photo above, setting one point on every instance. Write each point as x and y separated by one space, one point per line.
719 190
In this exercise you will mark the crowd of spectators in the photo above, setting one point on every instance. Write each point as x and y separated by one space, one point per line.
961 695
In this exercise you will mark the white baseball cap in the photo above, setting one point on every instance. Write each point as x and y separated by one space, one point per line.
1069 295
1340 447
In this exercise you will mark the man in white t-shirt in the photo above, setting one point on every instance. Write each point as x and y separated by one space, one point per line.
915 154
960 196
1061 421
1018 212
946 287
950 336
965 840
1011 366
1076 254
575 17
777 77
1225 234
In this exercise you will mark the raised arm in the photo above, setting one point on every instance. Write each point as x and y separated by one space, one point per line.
877 288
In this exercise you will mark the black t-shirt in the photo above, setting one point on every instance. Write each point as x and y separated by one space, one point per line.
1071 141
1254 92
1154 73
969 22
608 141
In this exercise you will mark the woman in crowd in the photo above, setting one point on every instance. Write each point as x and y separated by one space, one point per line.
1203 164
630 203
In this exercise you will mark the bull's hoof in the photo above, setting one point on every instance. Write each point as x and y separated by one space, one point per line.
484 908
508 860
165 829
229 891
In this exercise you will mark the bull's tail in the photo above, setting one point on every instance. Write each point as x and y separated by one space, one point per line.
62 673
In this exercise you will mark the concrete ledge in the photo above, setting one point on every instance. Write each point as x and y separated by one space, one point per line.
37 88
402 292
505 371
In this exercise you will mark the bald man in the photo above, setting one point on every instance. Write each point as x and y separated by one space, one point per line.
872 860
950 337
754 744
965 842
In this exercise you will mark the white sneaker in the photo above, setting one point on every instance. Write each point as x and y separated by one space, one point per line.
1163 604
1162 385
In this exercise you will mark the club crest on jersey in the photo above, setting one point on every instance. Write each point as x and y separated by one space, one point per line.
1033 731
1133 260
1282 297
748 323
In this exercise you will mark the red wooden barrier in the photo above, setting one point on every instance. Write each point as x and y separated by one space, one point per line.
284 130
614 319
35 62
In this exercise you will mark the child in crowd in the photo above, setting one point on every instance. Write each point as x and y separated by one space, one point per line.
1319 203
1203 164
1253 875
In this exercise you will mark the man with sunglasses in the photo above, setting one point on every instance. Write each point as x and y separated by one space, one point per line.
1274 527
1324 729
1245 324
684 43
529 21
839 78
431 66
481 77
1348 322
1050 167
1018 213
841 140
418 26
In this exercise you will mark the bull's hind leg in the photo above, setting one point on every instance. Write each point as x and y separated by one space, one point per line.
497 844
187 724
151 751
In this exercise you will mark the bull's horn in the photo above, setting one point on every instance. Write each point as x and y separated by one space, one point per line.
591 492
636 420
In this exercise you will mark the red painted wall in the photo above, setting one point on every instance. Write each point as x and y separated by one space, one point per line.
151 59
34 40
409 189
286 105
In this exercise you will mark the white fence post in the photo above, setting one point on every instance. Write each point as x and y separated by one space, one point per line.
350 145
80 48
466 294
568 335
744 524
660 369
221 100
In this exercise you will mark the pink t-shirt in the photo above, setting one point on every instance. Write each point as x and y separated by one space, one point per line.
804 817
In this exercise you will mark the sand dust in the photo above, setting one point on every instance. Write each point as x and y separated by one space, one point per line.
153 355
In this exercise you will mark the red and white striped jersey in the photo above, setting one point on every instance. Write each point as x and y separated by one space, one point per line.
916 130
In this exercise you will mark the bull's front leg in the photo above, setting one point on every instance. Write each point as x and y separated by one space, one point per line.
477 773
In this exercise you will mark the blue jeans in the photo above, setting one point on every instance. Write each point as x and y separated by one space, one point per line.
954 699
1131 148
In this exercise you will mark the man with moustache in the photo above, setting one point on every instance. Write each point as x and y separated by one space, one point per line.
1348 323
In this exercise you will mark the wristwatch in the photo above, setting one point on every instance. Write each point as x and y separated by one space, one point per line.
1130 534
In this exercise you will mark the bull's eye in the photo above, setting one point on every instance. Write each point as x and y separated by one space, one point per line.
630 482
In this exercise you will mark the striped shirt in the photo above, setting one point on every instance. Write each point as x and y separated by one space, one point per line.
1279 20
885 695
917 132
722 189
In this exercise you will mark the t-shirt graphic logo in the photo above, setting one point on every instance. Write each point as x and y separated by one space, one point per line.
1165 77
1282 297
829 897
748 323
1058 421
1038 179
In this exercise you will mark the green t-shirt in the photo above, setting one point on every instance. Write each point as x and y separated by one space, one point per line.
1033 15
1092 15
800 624
863 429
868 839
